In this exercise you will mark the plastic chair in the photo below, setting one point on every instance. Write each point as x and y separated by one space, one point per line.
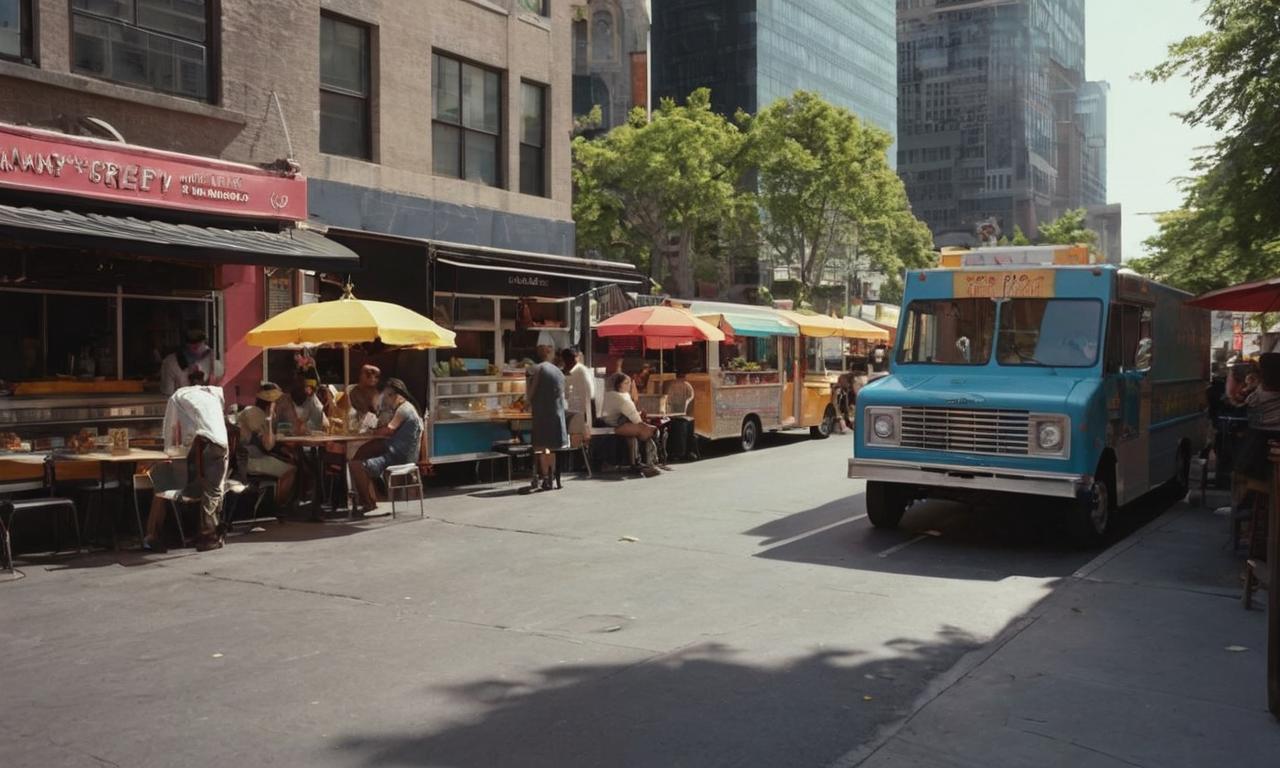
167 484
403 478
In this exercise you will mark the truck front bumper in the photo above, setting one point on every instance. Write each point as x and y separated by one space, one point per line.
980 479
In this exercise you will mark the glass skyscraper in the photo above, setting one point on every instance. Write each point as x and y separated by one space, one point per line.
997 127
753 52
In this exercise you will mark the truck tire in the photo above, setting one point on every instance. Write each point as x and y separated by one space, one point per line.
1089 518
823 430
1180 483
886 503
750 433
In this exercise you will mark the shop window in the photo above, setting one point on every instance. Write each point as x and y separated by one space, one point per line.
602 45
80 335
15 29
533 132
161 45
540 7
344 88
466 128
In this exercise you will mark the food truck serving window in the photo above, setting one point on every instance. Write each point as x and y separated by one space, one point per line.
1054 332
949 332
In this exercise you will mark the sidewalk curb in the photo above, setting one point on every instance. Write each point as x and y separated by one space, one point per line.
974 659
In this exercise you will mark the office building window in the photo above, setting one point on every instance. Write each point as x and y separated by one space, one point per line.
161 45
540 7
15 29
344 88
466 127
533 139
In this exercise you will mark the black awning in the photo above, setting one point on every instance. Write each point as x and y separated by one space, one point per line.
480 257
298 248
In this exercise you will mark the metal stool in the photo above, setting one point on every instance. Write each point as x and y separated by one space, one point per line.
403 478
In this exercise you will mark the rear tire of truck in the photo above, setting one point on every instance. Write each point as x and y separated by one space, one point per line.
886 503
823 431
1089 519
750 433
1180 483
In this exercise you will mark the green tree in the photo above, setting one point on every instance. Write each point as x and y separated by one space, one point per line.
1067 229
647 189
1228 228
1019 237
827 194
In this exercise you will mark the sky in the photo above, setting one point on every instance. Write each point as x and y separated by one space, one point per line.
1147 148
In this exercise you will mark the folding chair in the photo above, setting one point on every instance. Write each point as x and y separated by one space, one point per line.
166 483
10 509
402 478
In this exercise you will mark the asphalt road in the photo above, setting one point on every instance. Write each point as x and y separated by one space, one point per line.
739 611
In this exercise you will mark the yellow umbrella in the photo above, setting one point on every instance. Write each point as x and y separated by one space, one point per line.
822 326
351 321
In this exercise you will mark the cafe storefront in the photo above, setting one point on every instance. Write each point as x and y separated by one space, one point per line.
110 253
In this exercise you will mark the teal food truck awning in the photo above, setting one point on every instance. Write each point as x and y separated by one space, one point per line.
755 323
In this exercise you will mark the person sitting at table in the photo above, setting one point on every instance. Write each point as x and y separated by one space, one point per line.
680 436
621 413
402 440
302 410
258 439
362 397
1263 409
193 419
640 382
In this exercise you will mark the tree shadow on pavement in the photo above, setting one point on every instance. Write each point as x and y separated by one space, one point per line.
698 707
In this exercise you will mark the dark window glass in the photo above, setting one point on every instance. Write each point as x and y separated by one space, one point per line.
1053 332
533 129
344 88
949 332
540 7
15 29
162 45
466 130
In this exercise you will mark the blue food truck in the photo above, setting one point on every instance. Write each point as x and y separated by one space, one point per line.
1014 373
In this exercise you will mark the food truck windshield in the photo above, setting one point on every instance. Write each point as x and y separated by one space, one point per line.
1025 331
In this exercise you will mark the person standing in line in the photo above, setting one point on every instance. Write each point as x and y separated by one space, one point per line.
579 395
545 393
194 419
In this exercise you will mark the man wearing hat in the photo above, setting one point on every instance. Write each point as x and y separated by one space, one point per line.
403 435
258 441
194 355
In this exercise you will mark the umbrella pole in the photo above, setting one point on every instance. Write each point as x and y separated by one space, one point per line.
346 367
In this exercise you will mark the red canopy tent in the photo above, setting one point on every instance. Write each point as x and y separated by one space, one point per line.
1262 296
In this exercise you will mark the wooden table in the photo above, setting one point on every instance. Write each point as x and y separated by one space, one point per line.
316 444
120 463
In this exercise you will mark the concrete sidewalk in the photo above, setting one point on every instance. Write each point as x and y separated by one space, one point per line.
1144 657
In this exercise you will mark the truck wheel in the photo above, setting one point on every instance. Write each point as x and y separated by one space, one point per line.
828 425
886 503
750 433
1089 518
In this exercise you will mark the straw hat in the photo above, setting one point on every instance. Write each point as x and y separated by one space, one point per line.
269 392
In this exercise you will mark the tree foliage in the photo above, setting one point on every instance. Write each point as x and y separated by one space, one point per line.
1228 228
647 188
827 194
1067 229
689 194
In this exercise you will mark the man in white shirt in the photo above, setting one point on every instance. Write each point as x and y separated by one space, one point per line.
176 368
195 420
579 394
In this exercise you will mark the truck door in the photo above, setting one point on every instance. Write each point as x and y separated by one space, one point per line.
1128 361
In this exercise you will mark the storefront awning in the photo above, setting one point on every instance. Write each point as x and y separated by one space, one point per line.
298 248
747 321
822 326
549 265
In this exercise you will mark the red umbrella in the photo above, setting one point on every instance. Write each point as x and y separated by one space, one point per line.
660 327
1262 296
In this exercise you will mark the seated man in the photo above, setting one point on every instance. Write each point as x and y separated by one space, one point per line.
302 409
258 439
620 412
402 435
681 440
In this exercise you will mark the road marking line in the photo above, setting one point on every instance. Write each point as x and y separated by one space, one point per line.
903 545
815 531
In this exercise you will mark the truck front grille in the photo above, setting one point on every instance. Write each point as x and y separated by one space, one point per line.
996 432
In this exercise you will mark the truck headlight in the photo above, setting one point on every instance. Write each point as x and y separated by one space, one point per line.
882 426
1050 434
